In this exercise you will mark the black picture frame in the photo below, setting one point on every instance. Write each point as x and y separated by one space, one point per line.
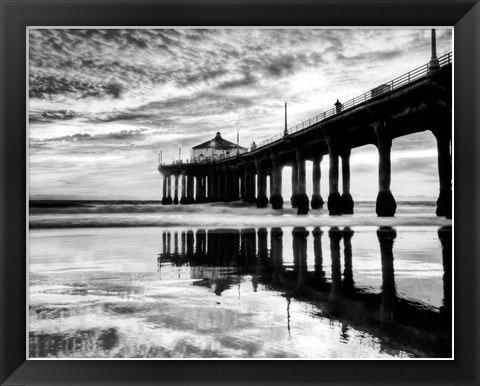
16 15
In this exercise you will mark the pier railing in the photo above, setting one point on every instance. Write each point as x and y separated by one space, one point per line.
409 77
394 84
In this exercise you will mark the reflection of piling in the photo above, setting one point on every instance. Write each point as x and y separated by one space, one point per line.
169 238
262 256
175 243
445 236
318 254
223 248
190 242
262 245
288 318
235 244
212 252
344 335
164 242
201 241
183 243
335 236
159 262
386 237
348 283
300 235
230 248
276 241
248 237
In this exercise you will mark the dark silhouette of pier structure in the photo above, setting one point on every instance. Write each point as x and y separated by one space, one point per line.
417 101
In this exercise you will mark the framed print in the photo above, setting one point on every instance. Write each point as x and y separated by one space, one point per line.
239 193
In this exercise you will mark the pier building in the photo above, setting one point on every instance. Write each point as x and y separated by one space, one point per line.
215 149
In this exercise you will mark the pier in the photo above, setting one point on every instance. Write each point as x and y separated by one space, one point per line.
420 100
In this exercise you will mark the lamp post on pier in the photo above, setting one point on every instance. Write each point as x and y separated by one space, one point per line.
434 64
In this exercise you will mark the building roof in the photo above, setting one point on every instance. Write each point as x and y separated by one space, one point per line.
218 143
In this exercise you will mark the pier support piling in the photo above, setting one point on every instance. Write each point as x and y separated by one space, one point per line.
175 194
228 180
235 188
444 202
347 200
302 199
183 199
262 200
334 198
213 186
317 200
169 200
203 188
249 183
220 185
198 189
190 189
241 178
294 197
386 205
165 190
276 198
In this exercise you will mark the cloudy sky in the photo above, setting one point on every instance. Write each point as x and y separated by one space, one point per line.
103 102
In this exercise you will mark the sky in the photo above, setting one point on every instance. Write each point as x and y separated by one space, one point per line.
104 102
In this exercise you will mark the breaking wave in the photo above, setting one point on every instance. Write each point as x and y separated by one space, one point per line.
82 214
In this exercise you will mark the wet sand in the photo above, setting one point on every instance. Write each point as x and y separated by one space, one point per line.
190 292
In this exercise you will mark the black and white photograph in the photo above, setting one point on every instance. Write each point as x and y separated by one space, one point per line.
240 192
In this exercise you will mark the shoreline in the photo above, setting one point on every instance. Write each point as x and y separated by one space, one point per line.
206 221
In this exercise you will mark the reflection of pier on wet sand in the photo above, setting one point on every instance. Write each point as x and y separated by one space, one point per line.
220 259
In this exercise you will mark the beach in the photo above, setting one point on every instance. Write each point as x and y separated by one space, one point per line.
141 280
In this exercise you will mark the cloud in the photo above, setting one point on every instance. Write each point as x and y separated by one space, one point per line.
96 92
52 115
281 66
377 56
246 80
121 116
44 86
81 137
195 105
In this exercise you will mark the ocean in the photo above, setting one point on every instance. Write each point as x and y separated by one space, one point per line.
135 279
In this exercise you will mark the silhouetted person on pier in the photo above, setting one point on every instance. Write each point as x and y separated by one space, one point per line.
338 106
